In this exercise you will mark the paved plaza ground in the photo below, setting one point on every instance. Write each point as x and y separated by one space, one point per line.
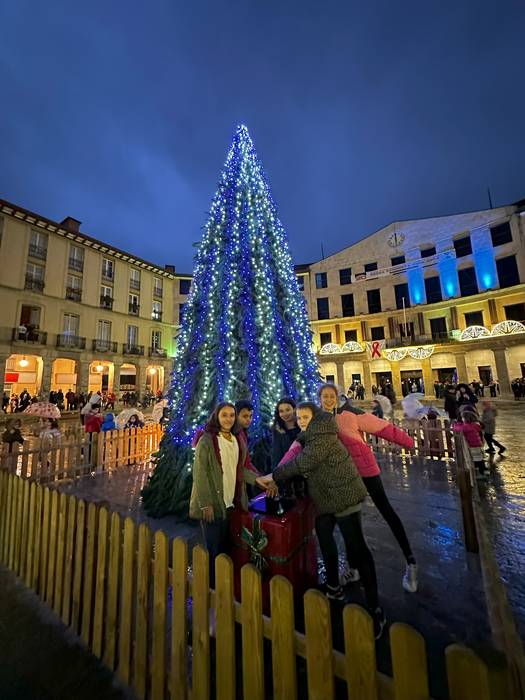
449 606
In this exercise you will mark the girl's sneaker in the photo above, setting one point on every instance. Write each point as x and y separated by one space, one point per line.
379 619
410 578
336 593
348 575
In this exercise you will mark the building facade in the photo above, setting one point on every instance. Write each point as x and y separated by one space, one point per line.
416 302
79 314
422 301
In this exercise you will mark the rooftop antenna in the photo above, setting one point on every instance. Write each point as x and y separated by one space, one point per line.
490 198
322 252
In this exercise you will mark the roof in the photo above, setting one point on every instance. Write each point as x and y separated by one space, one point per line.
44 223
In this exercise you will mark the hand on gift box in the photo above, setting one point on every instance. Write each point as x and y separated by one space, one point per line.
268 484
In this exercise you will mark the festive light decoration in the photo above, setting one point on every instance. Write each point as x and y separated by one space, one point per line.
507 328
396 354
474 332
99 368
352 346
330 349
421 352
23 362
244 329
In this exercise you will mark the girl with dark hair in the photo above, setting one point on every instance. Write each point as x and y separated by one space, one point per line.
221 470
353 423
465 397
284 429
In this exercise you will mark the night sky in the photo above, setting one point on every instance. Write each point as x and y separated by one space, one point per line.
120 114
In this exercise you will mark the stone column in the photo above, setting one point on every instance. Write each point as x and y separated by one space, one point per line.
3 362
461 364
47 369
116 379
396 378
502 372
428 379
340 375
367 377
142 376
83 376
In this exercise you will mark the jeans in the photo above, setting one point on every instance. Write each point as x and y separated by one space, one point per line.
375 488
216 536
356 550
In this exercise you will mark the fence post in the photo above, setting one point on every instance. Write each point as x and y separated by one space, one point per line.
465 495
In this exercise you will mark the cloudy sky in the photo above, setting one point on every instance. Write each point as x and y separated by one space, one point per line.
120 114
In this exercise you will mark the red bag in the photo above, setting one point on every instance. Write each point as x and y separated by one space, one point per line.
291 548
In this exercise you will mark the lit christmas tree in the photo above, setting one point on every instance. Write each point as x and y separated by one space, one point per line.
244 331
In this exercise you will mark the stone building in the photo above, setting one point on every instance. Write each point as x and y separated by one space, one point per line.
78 313
424 300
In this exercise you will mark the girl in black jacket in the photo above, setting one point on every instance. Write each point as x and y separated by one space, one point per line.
284 429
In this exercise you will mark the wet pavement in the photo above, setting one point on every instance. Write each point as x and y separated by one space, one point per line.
449 605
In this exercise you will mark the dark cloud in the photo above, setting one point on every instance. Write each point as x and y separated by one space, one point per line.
120 113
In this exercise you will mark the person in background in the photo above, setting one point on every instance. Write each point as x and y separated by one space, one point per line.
5 401
376 409
244 410
12 433
471 428
465 397
451 404
50 433
134 422
488 421
284 429
111 401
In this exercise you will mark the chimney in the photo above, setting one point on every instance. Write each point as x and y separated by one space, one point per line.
71 224
170 268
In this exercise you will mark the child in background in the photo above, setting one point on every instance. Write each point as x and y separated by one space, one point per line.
488 420
108 423
473 432
377 409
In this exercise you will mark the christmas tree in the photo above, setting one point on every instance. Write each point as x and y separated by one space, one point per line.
244 331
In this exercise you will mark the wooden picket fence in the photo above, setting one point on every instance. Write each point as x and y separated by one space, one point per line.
80 454
127 595
432 438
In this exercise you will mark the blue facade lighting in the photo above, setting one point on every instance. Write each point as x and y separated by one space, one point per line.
485 266
449 277
416 286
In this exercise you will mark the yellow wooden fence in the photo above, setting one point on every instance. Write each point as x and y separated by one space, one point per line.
431 439
125 593
79 454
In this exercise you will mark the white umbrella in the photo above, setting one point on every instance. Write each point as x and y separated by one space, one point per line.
385 404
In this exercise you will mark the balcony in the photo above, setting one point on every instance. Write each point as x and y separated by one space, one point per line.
157 292
419 340
37 251
134 309
157 352
131 349
32 335
73 294
156 315
74 342
76 264
106 302
134 284
35 284
104 345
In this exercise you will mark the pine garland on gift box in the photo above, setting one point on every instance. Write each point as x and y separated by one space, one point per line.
244 331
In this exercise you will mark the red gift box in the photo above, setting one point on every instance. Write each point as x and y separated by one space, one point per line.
291 550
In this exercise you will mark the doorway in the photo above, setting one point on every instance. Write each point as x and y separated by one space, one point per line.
485 375
411 381
381 378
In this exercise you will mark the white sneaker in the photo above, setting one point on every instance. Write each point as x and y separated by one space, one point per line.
410 578
348 575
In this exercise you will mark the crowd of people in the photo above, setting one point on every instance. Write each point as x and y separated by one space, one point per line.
518 388
320 444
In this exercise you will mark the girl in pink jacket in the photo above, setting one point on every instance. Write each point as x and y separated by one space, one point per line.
353 423
473 432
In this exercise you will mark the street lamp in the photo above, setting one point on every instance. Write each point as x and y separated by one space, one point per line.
23 362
